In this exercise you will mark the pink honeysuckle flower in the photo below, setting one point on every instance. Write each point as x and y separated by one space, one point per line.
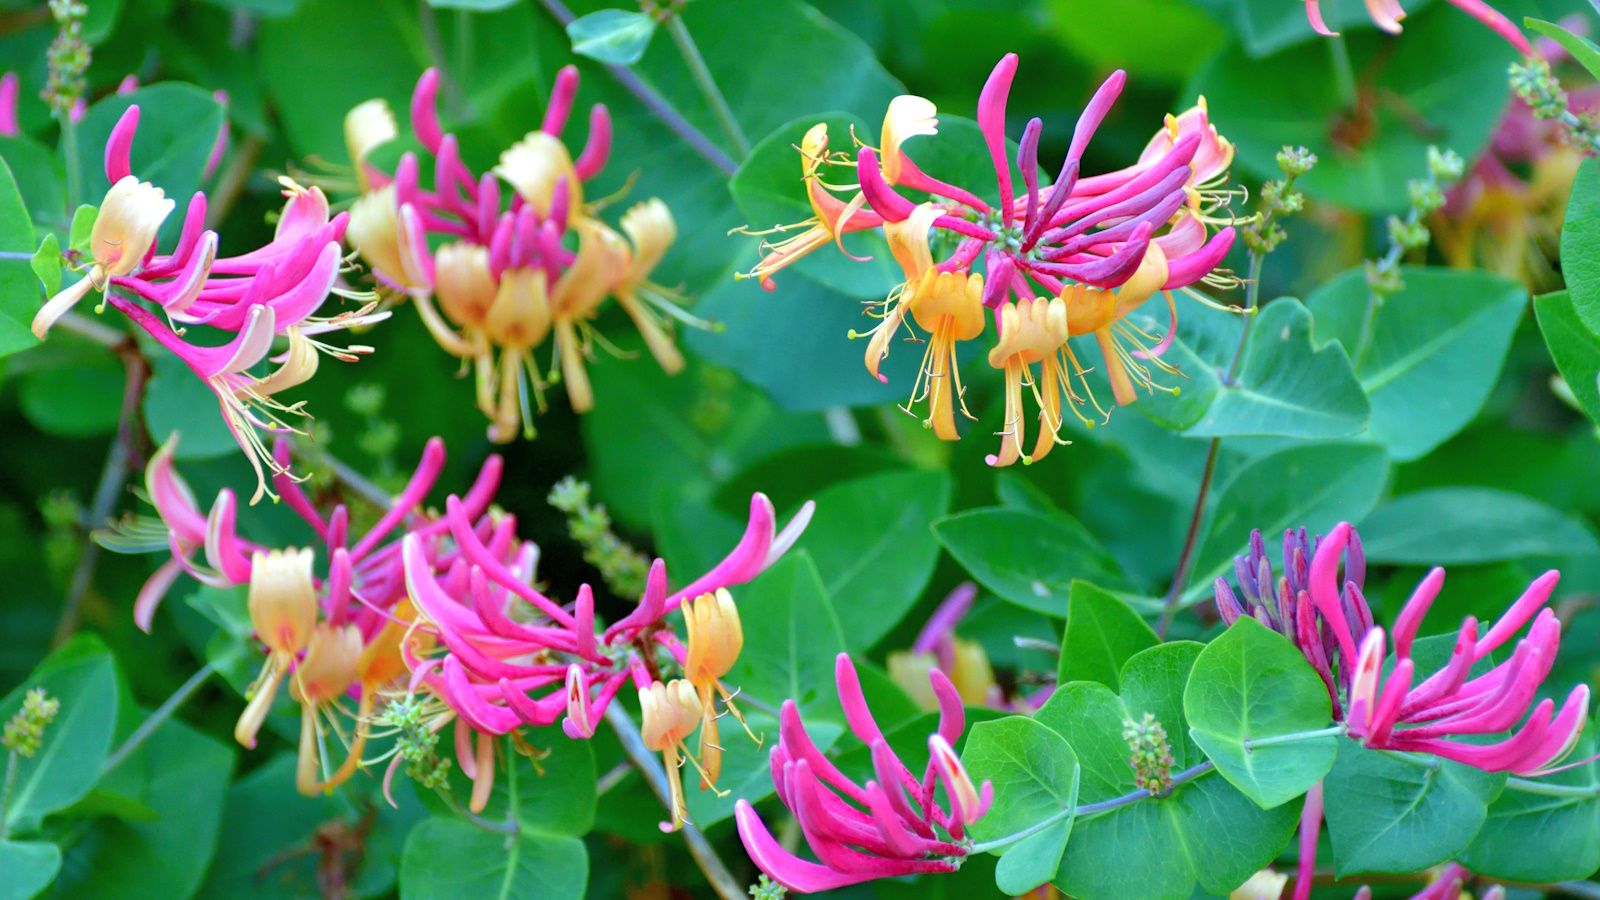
268 292
890 826
9 126
1049 262
1318 605
1386 14
494 281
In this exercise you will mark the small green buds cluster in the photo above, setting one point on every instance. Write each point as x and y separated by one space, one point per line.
1151 760
381 435
1537 86
1279 200
25 732
416 743
1427 196
68 58
767 889
623 568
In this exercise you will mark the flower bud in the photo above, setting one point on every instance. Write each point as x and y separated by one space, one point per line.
282 600
127 224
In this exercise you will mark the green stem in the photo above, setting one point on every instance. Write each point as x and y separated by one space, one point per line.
707 84
1420 760
1295 737
1090 809
1546 789
507 827
1180 575
157 718
69 149
1344 74
5 791
1252 297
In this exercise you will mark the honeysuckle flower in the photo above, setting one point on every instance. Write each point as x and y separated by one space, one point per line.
890 826
715 637
271 291
494 281
283 612
1059 260
937 646
670 713
1320 602
1386 14
8 105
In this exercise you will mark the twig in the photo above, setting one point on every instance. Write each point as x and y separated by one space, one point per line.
357 482
157 718
1180 576
113 476
230 184
707 84
657 105
722 881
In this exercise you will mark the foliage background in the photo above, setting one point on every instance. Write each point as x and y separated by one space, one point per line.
1448 446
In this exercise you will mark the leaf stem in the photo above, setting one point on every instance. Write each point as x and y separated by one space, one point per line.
716 872
156 719
707 84
5 791
658 105
1293 737
1344 74
1546 789
1090 809
1180 575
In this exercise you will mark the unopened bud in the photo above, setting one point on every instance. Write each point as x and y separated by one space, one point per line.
1151 759
24 733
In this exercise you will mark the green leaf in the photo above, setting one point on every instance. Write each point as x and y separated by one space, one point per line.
30 866
177 402
1287 386
449 858
46 263
1027 558
1101 634
1445 526
81 675
1386 815
1539 838
554 795
614 36
1580 245
871 543
1436 349
1311 484
81 398
791 637
1160 38
1251 684
81 232
182 775
1574 347
267 827
1583 50
19 290
1035 777
39 179
1204 832
1365 157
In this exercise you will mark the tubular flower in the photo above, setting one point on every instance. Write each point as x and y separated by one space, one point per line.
671 712
891 826
256 297
495 281
1060 260
1386 14
1321 602
715 637
435 618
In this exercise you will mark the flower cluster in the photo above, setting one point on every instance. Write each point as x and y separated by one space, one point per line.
1386 14
509 278
440 613
24 731
890 826
1067 259
1317 603
273 290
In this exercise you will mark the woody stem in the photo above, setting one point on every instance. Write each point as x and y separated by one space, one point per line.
716 872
